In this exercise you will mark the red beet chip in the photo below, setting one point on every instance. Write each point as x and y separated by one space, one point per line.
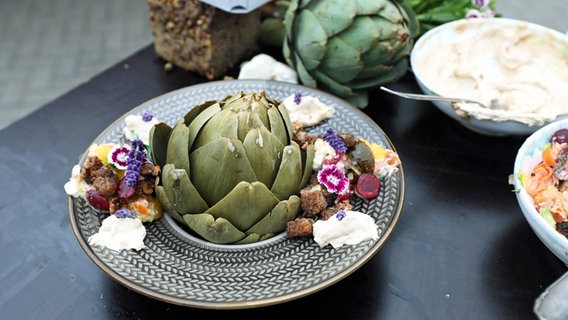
368 186
97 201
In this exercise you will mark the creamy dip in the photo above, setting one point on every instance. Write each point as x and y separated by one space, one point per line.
263 66
118 234
137 127
523 70
309 112
350 229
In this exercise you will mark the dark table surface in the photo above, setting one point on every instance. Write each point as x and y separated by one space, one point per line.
461 249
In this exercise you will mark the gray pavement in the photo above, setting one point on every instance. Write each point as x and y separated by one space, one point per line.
48 47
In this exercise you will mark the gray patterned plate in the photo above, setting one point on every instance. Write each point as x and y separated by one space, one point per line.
178 268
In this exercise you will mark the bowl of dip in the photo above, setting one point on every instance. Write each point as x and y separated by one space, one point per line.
516 68
537 190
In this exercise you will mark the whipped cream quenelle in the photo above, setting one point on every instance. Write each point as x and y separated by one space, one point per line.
120 233
345 228
139 126
307 110
524 71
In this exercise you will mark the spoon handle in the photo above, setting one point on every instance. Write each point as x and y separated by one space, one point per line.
430 97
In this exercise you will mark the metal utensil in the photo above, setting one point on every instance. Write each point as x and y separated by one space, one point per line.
551 304
427 97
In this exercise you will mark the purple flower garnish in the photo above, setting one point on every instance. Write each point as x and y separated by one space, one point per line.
297 98
482 4
146 117
134 162
125 213
333 179
473 14
334 141
340 215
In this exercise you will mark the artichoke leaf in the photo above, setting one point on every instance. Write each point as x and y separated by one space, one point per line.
309 159
219 166
396 72
334 16
190 116
263 150
278 125
362 35
245 205
310 41
182 195
213 230
287 124
290 172
392 12
342 63
200 120
336 87
276 220
222 124
366 7
251 238
249 120
167 204
303 74
159 136
178 153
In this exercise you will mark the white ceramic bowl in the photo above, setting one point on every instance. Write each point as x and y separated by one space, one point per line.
528 156
461 32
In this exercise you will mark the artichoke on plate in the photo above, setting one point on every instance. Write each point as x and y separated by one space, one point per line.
349 46
230 169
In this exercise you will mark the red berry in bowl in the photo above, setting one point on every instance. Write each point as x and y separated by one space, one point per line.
560 136
368 186
97 201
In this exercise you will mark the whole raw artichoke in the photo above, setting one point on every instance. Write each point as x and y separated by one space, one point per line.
230 169
349 46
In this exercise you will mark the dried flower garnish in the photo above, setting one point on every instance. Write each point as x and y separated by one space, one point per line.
134 162
297 98
340 215
125 213
482 4
118 157
335 141
333 179
146 117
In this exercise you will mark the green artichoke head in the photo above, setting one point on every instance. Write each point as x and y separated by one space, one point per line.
230 169
349 46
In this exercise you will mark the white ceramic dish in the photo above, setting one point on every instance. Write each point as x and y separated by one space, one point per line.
528 156
463 31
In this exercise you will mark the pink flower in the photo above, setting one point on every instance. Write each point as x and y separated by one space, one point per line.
118 156
333 179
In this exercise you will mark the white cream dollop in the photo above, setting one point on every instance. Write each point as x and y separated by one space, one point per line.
309 112
263 66
136 126
352 229
118 234
322 151
76 186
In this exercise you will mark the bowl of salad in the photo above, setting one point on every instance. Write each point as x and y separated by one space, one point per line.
541 184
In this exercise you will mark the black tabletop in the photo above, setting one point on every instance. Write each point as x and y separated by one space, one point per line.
461 249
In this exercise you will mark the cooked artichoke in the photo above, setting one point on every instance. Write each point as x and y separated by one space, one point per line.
230 169
349 46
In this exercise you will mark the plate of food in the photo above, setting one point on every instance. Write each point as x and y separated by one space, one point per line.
162 230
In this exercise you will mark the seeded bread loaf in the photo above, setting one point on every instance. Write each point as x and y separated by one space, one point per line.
200 38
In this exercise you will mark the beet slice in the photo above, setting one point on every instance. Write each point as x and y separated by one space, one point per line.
368 186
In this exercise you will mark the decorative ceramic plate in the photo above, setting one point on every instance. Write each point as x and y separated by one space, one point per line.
178 268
